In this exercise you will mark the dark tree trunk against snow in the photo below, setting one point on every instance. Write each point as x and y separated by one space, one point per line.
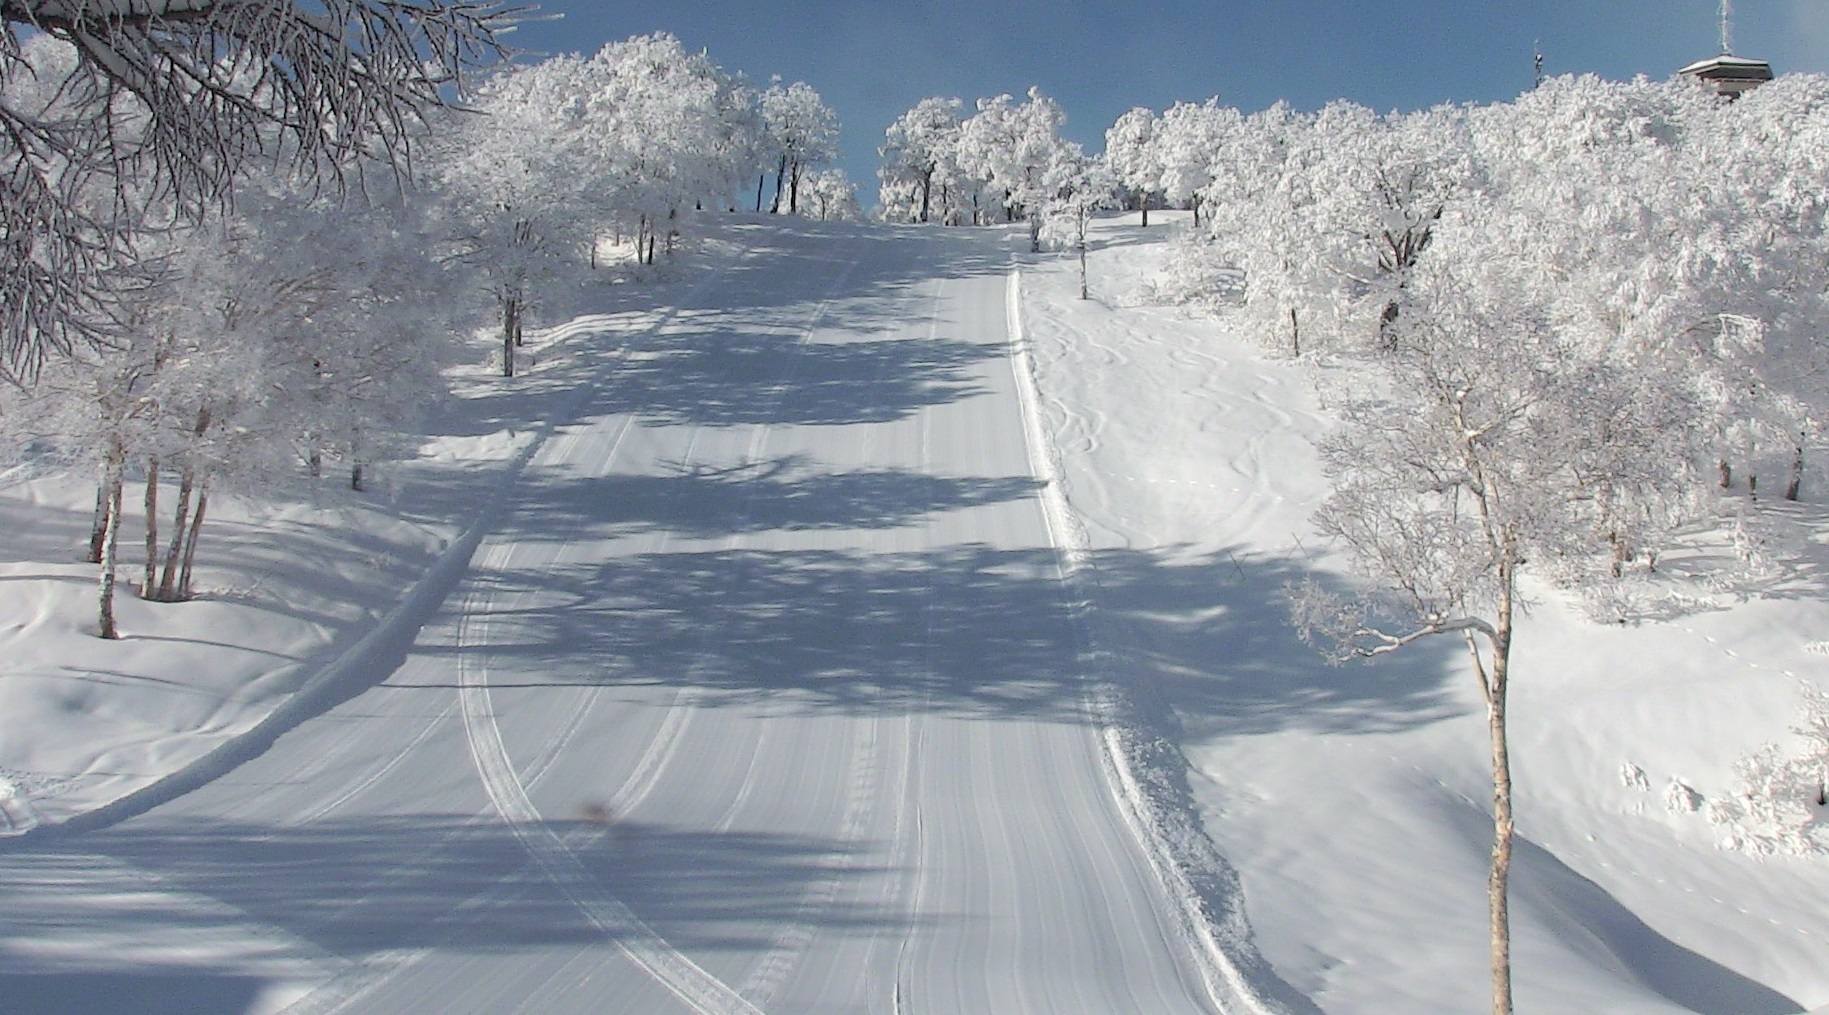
1194 203
793 188
1795 485
761 178
112 541
98 523
152 528
511 331
1727 474
185 587
168 580
774 207
927 193
1295 334
355 477
1083 291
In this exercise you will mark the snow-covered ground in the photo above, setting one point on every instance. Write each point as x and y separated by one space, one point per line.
1353 800
789 640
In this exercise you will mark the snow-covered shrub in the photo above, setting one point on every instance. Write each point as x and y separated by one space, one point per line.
1778 807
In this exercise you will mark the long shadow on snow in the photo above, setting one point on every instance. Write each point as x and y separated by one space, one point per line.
361 886
1606 933
970 630
783 494
1210 637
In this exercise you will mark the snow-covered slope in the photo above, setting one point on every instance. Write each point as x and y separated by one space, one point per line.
1353 800
786 640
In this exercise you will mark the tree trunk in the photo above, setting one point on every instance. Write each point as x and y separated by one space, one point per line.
185 588
1083 293
927 192
1499 879
1194 203
761 178
111 542
1795 485
152 528
511 312
355 477
98 523
780 181
1295 333
168 582
1144 201
1727 474
793 188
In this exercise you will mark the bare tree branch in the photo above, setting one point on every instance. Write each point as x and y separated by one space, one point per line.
169 101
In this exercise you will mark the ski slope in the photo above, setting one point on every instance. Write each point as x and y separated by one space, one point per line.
862 622
762 690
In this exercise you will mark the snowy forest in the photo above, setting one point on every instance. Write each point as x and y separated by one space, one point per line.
222 303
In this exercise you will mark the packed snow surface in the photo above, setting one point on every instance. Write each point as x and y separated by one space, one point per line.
860 622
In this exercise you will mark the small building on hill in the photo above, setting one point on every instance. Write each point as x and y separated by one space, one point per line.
1730 75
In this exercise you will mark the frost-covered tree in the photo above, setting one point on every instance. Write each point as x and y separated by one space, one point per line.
802 135
1015 149
658 131
918 148
1781 805
512 182
1082 186
1497 442
831 196
1133 150
1190 141
176 99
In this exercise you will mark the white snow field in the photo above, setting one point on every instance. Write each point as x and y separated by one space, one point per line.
875 627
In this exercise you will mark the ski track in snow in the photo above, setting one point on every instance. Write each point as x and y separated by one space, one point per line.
1227 986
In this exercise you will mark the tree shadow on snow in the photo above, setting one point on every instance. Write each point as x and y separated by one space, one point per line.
1211 636
354 888
1584 918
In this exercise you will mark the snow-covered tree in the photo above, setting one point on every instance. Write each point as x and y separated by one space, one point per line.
802 135
1781 805
1496 442
1190 140
1015 150
918 147
513 185
831 196
1082 186
177 98
1133 150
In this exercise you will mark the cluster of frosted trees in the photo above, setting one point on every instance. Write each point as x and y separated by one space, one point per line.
1572 318
182 344
1005 163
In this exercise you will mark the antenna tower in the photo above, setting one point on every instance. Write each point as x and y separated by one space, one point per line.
1727 38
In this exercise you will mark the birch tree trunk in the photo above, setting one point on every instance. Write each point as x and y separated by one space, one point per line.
1498 882
152 528
98 523
168 581
111 541
186 589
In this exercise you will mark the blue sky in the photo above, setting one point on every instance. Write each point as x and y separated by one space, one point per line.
870 61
